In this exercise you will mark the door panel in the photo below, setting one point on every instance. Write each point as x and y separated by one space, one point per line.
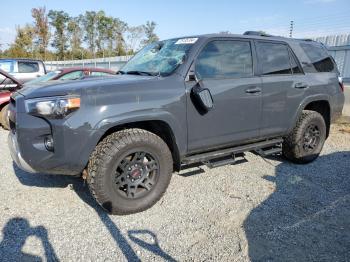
226 68
235 117
280 101
283 86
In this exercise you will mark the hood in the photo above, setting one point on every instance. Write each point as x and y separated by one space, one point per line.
66 87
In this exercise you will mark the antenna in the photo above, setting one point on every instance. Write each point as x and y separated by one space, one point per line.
291 28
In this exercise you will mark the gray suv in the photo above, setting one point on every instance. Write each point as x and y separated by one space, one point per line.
176 104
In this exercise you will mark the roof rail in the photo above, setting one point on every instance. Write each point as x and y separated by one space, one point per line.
258 33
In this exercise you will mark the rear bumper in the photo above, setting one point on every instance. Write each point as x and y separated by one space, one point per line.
16 154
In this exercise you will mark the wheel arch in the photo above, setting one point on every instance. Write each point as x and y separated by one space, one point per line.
320 104
158 127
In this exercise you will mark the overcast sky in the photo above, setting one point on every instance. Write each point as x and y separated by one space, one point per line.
186 17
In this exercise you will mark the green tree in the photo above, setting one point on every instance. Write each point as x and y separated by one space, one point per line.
59 20
102 24
42 32
75 36
89 21
120 28
23 44
149 29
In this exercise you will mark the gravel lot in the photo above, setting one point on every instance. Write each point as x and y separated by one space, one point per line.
259 210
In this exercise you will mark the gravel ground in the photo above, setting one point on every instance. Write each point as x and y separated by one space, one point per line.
260 210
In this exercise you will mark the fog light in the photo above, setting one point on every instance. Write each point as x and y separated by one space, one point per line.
49 143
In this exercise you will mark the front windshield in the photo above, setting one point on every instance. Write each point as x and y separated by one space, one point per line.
159 58
49 76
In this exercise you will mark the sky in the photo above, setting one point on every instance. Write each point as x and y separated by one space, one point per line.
187 17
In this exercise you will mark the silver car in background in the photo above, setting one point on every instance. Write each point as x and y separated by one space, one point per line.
23 69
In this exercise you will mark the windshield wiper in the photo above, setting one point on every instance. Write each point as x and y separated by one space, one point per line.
140 73
120 72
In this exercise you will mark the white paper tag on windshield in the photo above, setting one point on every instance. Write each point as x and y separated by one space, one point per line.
186 41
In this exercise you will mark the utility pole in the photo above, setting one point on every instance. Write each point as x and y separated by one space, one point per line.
291 28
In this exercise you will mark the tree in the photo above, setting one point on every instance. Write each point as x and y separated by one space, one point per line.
75 36
134 37
23 45
149 29
102 24
41 29
120 28
89 21
59 20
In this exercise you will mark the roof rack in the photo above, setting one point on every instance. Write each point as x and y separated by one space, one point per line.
257 33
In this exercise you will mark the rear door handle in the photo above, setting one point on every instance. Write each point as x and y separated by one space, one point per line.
253 90
301 85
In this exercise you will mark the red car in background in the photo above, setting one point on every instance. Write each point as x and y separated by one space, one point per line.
72 73
9 84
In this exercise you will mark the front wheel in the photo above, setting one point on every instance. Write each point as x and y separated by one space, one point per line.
129 171
304 144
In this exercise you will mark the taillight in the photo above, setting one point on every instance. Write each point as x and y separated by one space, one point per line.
341 83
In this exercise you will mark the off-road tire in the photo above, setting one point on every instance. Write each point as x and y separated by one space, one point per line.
4 118
293 148
104 161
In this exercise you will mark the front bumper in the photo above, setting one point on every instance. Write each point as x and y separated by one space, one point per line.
16 154
73 142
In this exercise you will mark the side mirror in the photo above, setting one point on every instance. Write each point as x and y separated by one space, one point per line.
202 98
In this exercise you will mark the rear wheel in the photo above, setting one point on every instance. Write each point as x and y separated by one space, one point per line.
4 117
129 171
306 141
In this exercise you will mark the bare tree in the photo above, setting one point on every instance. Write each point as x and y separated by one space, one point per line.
135 34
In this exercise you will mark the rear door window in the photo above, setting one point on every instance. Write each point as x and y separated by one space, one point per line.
225 59
274 58
319 57
27 67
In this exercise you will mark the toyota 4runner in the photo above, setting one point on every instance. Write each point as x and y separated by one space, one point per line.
178 103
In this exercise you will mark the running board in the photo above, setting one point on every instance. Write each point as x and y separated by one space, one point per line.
228 160
269 152
272 144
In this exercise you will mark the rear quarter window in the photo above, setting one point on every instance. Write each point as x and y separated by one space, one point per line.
319 57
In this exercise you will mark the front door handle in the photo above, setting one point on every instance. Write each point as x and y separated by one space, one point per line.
301 85
253 90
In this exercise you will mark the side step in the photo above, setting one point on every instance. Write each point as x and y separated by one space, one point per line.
271 146
229 160
269 152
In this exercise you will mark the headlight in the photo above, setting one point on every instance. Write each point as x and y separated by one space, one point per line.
52 107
